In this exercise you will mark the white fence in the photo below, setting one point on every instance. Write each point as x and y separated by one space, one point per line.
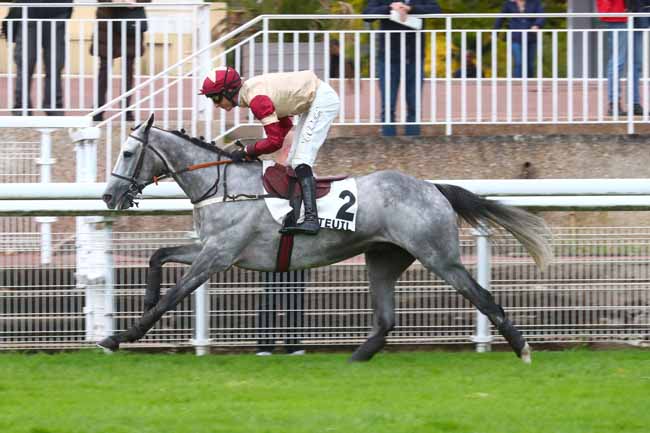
568 86
597 290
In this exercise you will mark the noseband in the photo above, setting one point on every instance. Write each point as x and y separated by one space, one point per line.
136 187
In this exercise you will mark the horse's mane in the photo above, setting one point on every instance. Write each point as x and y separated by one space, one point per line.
199 141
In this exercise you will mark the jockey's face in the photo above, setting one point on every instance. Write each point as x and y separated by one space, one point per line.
221 102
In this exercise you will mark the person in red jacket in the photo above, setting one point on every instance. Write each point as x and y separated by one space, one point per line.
618 26
273 100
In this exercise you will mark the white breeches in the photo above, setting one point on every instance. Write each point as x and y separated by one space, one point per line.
312 127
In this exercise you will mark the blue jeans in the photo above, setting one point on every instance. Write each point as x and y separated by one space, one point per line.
517 58
389 130
621 61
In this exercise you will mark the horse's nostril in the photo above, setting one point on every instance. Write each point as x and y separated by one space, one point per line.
107 198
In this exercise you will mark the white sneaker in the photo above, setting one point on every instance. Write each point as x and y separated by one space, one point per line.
263 354
297 353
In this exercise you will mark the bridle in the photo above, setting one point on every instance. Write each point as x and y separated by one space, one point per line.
136 187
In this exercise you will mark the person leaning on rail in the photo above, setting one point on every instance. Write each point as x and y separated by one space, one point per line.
274 99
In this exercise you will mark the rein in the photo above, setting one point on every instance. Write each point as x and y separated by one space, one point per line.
192 168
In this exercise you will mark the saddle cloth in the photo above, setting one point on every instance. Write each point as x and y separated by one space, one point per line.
336 199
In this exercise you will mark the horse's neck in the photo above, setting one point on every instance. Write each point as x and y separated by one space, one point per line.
180 154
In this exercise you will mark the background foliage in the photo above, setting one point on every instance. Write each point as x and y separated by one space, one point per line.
241 11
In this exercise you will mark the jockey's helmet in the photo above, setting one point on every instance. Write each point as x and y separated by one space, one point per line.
221 82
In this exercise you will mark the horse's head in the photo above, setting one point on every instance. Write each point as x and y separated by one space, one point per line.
135 168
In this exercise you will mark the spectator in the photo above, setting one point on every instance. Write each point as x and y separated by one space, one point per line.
618 25
335 59
135 18
520 7
470 67
284 292
380 7
53 44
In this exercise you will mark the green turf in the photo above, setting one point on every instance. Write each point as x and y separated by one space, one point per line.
86 392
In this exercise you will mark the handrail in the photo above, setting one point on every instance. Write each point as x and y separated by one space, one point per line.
162 73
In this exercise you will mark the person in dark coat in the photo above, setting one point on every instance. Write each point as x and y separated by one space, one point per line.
52 43
115 22
381 7
520 7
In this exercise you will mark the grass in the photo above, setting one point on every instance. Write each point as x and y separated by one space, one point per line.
87 392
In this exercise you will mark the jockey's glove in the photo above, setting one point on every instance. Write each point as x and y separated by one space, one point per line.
238 155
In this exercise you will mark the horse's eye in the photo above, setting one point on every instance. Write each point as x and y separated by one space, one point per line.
127 154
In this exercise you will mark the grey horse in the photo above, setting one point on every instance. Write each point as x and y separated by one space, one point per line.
400 219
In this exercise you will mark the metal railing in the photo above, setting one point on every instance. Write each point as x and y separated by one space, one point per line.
568 86
596 290
71 48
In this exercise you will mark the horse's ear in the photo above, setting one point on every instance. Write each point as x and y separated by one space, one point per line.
149 123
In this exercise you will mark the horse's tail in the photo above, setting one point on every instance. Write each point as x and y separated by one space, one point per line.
528 228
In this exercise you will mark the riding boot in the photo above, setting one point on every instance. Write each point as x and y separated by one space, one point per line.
310 225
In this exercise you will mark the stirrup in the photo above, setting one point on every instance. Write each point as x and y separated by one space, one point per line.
304 228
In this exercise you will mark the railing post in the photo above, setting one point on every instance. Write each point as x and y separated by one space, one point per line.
265 45
483 337
45 161
201 340
448 60
630 74
205 63
94 260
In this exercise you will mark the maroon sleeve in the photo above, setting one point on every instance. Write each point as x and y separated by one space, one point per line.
286 123
263 108
273 141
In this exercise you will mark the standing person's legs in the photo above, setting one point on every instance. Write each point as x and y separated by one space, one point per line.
266 316
531 61
25 45
516 60
102 86
614 89
411 89
53 62
295 310
388 130
638 59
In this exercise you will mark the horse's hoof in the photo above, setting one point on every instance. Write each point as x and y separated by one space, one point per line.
359 357
109 345
526 354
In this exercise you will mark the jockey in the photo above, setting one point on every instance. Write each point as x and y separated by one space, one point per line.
274 99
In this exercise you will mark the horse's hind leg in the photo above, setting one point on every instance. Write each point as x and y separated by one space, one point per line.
386 262
454 273
182 254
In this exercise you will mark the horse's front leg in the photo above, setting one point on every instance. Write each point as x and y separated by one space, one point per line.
185 254
207 262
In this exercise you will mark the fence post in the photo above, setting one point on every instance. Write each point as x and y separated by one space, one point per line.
45 161
94 260
483 337
205 61
201 340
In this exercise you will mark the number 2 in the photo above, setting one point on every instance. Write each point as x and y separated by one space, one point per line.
343 213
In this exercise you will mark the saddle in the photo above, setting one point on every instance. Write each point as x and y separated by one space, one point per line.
281 181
